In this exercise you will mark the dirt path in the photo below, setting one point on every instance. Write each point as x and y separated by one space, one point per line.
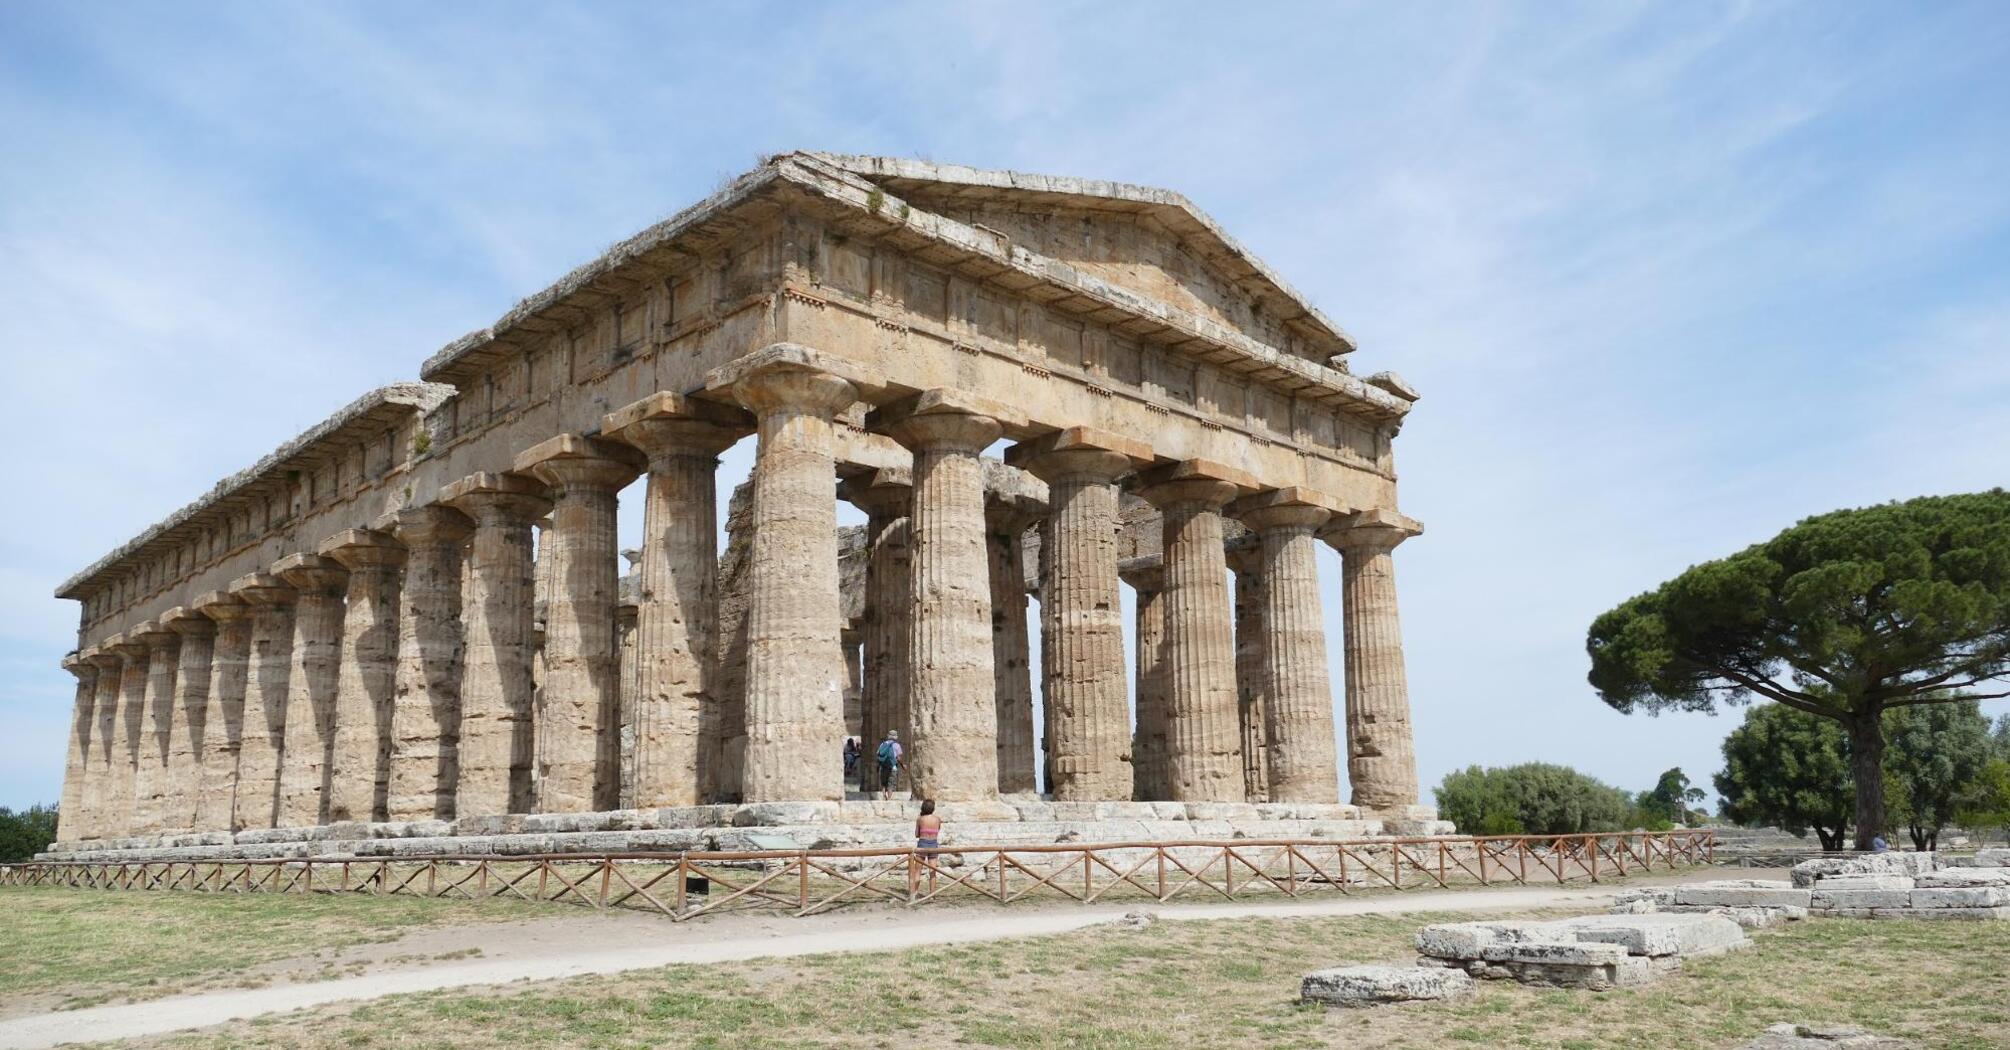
575 944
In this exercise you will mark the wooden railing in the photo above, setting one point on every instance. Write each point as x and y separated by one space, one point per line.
806 882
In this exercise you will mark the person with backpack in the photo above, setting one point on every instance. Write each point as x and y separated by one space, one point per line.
888 756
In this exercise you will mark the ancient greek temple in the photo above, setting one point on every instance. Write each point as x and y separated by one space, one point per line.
417 612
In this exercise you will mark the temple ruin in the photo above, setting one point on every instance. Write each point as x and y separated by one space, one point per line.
413 617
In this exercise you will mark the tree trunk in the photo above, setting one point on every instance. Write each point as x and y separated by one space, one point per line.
1919 838
1831 841
1866 757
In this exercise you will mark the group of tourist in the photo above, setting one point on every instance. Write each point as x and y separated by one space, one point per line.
887 756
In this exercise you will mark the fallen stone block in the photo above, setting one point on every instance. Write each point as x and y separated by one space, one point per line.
1813 1037
1778 895
1961 897
1661 934
1825 899
1948 878
1867 882
1807 872
1356 986
1556 953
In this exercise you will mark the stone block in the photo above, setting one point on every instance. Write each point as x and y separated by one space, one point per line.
1778 896
1808 871
1355 986
1992 858
1555 953
1961 897
1866 882
767 814
1660 934
1830 900
1952 878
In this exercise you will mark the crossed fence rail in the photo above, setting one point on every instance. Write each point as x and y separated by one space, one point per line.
806 882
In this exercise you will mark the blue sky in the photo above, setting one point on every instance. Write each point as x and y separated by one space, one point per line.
1668 276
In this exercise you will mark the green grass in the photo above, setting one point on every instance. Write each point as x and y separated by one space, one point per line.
1186 984
82 947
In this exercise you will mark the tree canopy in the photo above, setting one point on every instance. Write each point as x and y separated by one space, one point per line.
1788 769
1937 752
1534 798
26 833
1843 616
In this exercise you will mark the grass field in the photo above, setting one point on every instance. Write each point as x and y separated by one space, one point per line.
71 948
1187 984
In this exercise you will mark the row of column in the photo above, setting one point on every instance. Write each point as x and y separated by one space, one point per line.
390 675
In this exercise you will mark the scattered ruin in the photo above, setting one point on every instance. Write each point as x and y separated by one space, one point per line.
1593 952
1871 886
409 622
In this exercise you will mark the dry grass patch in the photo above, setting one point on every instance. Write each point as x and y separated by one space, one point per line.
1184 984
67 948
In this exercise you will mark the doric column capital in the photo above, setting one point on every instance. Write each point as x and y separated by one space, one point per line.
1079 452
154 636
363 549
432 523
221 606
1290 508
507 498
263 588
576 462
312 574
884 493
792 377
1370 530
1243 555
1196 483
665 425
1010 515
187 622
104 657
945 420
79 664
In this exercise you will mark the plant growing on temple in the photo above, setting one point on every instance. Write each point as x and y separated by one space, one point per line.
1788 770
26 833
1936 753
1844 616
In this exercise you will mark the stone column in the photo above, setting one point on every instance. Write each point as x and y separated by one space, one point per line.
100 784
183 794
1203 759
132 705
156 725
794 683
1299 709
1252 674
885 496
307 762
71 821
264 739
426 684
954 751
1081 617
579 723
626 628
677 607
223 723
495 746
359 777
1005 528
1148 750
1381 755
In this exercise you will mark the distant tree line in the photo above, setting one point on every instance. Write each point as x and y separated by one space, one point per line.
1537 798
1944 765
26 833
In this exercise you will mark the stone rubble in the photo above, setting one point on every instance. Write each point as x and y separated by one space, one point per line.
1594 952
1357 986
1876 886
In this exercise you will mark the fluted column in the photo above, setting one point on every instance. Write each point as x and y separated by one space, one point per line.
579 722
1081 617
359 773
71 820
1203 756
885 496
954 750
307 762
1252 673
626 655
1381 753
223 723
156 726
795 672
426 684
495 746
1010 647
677 607
1148 747
1298 711
265 709
99 789
183 791
132 706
